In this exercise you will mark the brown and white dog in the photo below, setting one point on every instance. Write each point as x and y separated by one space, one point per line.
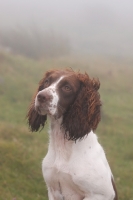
75 167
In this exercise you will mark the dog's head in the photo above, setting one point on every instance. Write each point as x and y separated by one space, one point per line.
72 96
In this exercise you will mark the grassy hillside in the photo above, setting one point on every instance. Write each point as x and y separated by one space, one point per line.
21 152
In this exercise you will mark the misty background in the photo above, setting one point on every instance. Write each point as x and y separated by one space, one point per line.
95 36
59 27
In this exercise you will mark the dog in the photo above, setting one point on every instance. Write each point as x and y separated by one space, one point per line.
75 167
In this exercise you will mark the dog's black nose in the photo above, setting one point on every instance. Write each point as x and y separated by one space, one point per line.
41 98
44 97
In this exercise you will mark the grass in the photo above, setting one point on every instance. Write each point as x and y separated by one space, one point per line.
21 152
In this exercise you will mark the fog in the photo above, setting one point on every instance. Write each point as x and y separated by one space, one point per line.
91 27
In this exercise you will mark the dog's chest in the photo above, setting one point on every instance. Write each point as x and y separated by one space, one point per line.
56 170
60 181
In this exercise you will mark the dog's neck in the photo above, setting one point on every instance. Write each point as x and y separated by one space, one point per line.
59 146
54 123
56 130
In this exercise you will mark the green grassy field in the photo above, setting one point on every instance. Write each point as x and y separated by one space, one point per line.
21 152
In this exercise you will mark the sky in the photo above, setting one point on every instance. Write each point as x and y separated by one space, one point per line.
92 26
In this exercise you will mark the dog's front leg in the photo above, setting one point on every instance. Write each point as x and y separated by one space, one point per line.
50 194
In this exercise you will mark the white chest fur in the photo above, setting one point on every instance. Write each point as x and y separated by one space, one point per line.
76 171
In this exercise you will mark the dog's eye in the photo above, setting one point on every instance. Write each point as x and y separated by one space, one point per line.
67 88
46 83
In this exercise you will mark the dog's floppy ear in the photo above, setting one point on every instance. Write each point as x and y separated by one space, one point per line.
84 115
35 120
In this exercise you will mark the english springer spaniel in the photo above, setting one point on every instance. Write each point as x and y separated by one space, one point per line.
75 167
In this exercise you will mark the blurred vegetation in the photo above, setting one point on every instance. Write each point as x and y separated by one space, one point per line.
21 152
34 42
